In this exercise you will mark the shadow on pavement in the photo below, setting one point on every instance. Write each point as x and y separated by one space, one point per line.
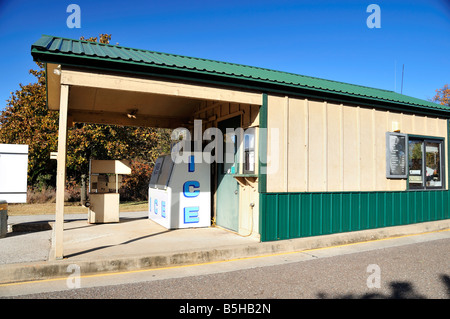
399 290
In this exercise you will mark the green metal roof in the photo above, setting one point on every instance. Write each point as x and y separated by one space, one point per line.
78 52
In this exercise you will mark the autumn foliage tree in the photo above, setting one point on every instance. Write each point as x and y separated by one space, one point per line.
443 96
27 120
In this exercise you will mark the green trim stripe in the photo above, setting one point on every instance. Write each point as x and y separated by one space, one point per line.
262 158
448 151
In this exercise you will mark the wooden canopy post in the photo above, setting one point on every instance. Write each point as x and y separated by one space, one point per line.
61 172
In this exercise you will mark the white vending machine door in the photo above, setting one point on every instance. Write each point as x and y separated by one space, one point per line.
159 206
193 192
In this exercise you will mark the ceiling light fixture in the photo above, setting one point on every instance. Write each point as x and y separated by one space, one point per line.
132 114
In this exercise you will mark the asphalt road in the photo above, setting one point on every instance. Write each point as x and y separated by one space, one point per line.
408 267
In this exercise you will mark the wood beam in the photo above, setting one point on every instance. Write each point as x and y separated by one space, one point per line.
146 85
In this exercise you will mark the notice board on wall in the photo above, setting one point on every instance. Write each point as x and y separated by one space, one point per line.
396 155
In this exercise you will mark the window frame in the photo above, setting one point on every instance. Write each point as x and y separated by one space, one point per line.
250 151
425 140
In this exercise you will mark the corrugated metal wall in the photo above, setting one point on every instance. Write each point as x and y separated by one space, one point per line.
294 215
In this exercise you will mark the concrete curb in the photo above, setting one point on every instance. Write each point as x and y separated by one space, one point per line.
13 273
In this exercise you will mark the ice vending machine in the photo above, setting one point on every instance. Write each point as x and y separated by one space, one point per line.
179 192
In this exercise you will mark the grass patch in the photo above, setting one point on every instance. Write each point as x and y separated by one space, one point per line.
69 208
134 206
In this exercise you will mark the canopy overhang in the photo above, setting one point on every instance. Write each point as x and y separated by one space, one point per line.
123 99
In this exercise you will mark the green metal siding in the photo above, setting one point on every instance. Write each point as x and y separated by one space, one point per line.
294 215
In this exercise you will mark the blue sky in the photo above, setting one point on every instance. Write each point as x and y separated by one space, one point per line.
321 38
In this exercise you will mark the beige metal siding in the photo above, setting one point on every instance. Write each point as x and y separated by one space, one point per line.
277 143
335 147
298 135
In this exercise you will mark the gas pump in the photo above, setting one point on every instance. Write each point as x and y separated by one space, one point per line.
105 178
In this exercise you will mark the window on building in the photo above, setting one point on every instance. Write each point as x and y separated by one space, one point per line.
426 163
249 151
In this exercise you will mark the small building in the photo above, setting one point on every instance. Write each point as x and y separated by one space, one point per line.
318 156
